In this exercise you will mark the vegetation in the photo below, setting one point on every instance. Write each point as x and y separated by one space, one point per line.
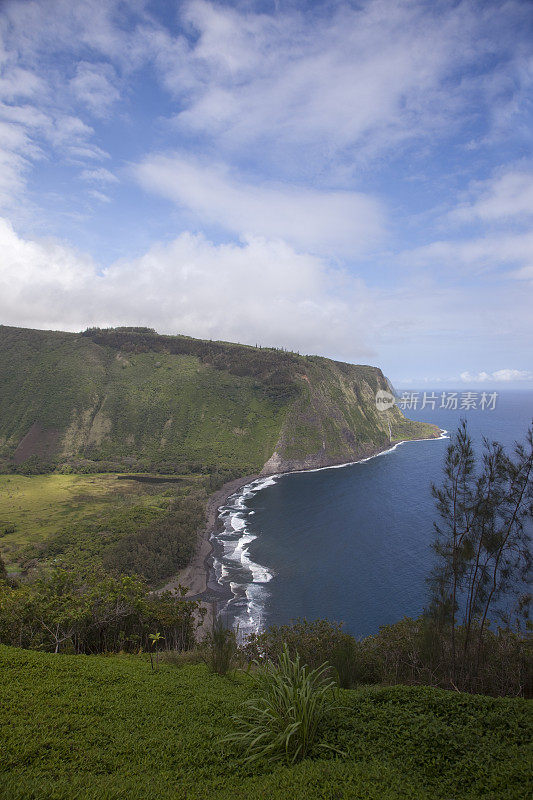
132 400
219 648
483 546
282 719
91 727
138 525
87 610
408 652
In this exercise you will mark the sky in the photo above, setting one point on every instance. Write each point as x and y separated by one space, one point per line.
353 179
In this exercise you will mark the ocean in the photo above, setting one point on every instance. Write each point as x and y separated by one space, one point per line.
351 544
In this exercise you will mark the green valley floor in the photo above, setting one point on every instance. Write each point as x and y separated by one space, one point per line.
101 728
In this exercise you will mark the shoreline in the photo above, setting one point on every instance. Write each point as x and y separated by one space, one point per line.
196 576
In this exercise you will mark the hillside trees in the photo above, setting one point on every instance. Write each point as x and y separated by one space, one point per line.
90 611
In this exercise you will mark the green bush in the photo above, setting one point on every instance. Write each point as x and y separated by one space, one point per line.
85 611
344 659
411 651
282 720
314 641
219 648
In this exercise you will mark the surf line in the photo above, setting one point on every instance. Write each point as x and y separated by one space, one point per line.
232 564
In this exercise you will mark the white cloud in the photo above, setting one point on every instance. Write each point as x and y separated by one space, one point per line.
188 286
499 376
336 223
99 175
479 254
18 83
502 209
100 196
36 93
508 196
358 79
262 292
94 86
16 151
72 26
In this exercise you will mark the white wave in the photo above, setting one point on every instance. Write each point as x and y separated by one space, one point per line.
235 560
236 554
238 523
255 611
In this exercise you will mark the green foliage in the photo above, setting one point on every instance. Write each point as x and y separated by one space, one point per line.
219 647
137 401
482 542
411 651
156 551
282 720
314 641
132 400
89 611
344 658
155 638
147 526
95 728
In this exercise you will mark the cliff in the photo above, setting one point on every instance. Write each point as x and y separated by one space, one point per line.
131 399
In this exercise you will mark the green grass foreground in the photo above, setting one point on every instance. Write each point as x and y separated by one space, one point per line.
107 727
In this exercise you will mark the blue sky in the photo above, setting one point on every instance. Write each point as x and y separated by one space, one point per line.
349 179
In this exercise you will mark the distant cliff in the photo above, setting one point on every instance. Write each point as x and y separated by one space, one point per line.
131 399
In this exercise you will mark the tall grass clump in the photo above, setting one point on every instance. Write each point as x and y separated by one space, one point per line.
219 648
344 661
282 721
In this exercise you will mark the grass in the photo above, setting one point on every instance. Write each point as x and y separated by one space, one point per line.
100 728
37 509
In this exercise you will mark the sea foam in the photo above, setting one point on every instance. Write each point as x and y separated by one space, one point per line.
233 565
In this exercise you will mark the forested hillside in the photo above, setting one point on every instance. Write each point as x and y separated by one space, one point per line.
129 399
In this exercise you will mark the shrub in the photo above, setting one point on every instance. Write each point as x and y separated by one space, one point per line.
344 660
314 641
411 651
219 648
283 720
89 611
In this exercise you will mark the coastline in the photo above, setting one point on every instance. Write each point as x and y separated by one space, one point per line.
196 576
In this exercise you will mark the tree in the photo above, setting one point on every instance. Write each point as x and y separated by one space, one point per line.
86 610
482 543
154 639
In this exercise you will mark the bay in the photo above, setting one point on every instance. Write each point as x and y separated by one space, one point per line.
350 544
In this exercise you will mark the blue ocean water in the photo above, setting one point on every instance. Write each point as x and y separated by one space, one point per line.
350 544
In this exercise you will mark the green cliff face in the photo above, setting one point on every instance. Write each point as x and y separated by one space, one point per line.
130 399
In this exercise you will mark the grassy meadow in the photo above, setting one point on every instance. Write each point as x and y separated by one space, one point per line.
47 514
100 728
